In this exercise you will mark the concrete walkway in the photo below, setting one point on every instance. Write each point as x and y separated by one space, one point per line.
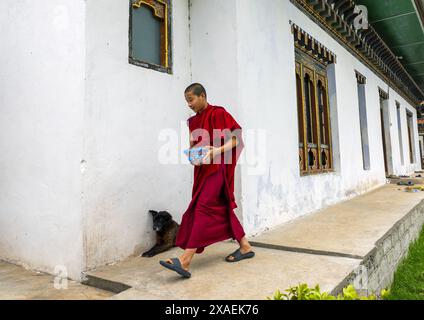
350 228
17 283
321 248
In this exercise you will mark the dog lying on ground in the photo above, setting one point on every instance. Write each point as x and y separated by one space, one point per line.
166 233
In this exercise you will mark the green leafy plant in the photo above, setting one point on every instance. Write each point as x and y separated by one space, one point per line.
303 292
385 293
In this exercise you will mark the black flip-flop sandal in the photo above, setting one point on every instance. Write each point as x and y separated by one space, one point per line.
405 183
239 256
176 266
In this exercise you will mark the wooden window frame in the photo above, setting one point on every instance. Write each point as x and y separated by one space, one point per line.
162 10
311 152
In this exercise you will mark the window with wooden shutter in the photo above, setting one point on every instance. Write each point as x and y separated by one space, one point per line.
312 59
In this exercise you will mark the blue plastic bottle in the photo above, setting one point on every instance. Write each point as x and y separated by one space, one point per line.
196 154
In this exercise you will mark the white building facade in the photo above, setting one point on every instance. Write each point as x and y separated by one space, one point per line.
84 128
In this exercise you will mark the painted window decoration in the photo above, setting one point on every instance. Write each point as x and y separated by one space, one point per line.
312 59
149 36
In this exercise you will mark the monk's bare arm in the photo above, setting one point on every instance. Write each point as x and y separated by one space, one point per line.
191 140
230 144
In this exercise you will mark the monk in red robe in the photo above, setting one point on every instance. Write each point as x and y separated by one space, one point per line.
210 216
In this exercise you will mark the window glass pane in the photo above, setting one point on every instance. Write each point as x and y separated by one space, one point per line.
308 102
400 134
312 109
299 107
411 137
363 126
321 113
146 35
326 125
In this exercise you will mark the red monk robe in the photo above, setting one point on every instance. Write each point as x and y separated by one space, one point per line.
210 217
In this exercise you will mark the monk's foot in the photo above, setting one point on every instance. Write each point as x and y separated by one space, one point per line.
243 250
184 264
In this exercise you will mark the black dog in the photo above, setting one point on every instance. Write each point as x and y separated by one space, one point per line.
166 232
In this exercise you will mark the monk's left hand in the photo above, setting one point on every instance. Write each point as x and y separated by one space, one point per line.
212 153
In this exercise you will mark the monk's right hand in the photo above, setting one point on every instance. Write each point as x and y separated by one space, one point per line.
196 163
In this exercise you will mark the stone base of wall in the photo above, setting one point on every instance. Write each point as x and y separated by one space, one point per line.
376 270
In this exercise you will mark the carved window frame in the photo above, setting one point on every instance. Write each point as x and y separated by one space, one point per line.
161 10
315 155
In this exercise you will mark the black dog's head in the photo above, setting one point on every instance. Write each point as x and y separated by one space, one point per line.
160 219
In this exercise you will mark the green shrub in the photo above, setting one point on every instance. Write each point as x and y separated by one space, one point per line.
303 292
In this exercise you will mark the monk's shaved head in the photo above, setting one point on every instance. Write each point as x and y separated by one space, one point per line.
197 89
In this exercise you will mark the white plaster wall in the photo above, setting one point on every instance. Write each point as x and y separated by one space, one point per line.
408 167
267 100
127 107
214 47
214 51
41 102
78 195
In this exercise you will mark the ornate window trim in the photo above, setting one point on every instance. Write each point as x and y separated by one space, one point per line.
315 145
383 94
310 46
161 9
336 18
361 79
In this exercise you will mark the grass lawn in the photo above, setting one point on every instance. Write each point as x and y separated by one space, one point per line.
408 283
